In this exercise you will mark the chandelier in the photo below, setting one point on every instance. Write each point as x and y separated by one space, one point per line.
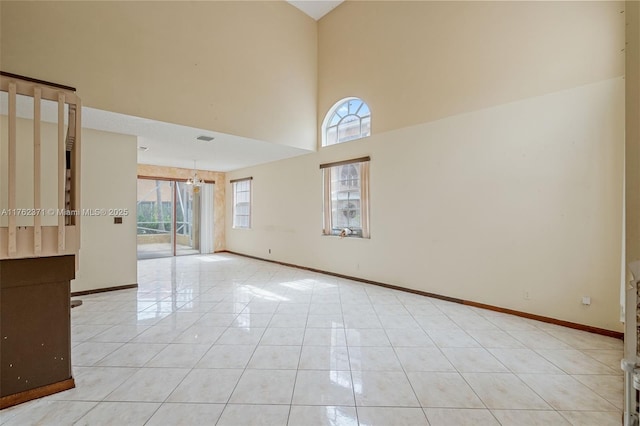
194 179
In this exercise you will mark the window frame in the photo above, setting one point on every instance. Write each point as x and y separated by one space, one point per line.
333 111
234 204
329 200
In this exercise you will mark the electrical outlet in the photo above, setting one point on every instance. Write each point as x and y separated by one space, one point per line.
586 300
526 295
269 251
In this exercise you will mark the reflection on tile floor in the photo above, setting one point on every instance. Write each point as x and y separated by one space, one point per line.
227 340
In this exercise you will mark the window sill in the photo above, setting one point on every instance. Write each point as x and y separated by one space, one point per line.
348 237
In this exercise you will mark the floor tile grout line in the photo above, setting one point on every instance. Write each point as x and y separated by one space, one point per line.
475 392
186 375
353 387
406 375
241 376
378 310
295 379
537 351
88 411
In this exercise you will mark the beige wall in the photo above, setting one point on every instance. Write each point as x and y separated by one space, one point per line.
107 250
497 154
632 175
497 129
108 182
632 99
483 206
243 68
108 163
145 170
417 61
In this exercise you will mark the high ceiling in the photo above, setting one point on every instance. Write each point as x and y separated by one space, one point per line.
167 144
174 145
316 8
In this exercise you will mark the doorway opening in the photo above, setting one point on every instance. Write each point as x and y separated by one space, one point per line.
170 215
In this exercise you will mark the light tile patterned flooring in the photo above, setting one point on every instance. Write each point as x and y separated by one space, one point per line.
228 340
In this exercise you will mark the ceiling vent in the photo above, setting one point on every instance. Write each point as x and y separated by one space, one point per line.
205 138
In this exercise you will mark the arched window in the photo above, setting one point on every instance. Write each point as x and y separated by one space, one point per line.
349 119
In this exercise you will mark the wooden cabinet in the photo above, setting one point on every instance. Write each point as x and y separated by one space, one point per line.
35 328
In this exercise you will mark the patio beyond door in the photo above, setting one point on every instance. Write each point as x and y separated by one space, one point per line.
168 214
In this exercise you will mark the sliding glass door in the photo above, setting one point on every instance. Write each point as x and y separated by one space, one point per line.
168 218
155 218
187 219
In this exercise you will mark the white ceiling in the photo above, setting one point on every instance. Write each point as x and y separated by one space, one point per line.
176 146
316 8
169 144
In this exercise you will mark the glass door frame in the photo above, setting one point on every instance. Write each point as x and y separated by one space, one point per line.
174 200
186 196
163 202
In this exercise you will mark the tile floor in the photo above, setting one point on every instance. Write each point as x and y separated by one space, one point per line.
226 340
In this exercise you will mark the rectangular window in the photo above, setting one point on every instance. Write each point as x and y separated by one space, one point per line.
346 198
241 203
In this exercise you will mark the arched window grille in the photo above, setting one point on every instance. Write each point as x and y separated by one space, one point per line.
349 119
